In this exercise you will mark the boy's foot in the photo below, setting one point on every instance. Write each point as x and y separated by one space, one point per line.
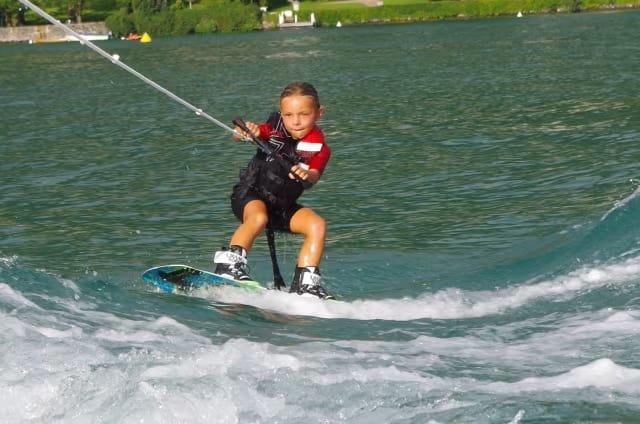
232 263
306 282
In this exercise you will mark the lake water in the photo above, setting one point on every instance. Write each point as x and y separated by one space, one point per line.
482 202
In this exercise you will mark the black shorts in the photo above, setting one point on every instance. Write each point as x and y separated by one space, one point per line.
279 218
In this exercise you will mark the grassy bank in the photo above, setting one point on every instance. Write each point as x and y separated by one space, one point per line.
207 16
329 13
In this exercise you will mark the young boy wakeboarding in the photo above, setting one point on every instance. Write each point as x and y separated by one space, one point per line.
266 194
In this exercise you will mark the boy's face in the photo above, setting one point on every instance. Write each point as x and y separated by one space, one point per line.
299 114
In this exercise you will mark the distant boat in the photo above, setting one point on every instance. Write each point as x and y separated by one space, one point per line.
89 37
144 38
67 38
133 37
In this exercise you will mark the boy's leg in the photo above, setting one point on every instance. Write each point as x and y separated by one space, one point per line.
254 221
307 279
314 229
232 263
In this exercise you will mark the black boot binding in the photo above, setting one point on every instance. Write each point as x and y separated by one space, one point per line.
307 283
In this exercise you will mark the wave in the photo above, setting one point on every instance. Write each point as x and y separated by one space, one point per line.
617 233
451 303
606 256
599 373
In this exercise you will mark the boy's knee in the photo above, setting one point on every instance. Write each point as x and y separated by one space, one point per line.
318 226
258 220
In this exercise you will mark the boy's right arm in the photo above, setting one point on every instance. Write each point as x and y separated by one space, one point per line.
240 135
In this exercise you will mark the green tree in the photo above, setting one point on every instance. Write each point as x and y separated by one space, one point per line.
175 17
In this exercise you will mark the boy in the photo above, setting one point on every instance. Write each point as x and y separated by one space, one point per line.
267 194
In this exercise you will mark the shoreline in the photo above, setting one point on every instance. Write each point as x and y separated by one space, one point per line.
48 33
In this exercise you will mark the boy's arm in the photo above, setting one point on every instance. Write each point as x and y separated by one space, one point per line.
256 130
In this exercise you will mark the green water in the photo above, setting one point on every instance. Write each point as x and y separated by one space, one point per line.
446 113
482 208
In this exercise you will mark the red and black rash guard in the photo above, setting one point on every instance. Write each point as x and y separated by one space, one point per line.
311 150
267 178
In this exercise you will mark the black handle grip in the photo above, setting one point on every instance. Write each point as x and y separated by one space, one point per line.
284 161
238 122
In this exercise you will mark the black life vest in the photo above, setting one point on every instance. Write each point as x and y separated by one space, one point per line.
266 177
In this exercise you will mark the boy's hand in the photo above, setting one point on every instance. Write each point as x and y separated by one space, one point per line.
299 171
241 135
302 173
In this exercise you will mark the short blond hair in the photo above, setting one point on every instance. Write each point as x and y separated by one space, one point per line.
299 88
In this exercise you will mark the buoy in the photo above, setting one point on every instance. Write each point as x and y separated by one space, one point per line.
146 38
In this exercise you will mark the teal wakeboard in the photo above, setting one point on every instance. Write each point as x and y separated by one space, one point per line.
183 278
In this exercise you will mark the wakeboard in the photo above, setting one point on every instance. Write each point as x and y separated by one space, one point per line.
183 278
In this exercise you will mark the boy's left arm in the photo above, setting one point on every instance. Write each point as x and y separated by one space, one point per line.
305 174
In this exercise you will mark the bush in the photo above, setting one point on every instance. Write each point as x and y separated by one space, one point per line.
229 16
223 16
160 23
186 21
121 23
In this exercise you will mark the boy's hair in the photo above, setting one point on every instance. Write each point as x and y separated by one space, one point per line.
298 88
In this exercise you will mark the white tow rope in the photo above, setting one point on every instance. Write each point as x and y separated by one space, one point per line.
115 59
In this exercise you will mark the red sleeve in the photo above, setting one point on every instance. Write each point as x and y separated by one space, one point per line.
320 160
314 151
265 131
